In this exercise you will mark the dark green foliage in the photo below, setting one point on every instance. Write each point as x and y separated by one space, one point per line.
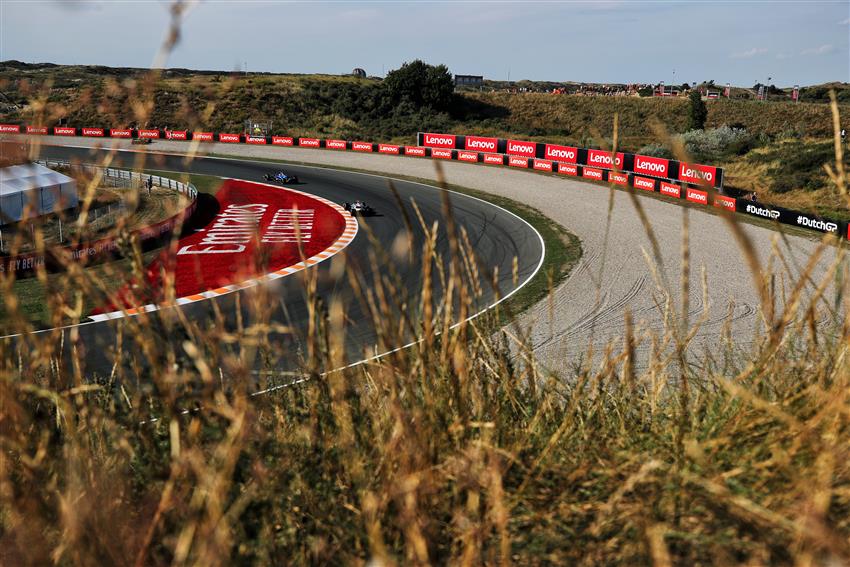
421 84
697 112
798 165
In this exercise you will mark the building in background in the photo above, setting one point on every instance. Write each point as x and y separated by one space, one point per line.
474 81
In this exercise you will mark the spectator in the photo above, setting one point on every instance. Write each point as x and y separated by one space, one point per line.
150 185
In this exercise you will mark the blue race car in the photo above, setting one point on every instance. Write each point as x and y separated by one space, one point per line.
281 177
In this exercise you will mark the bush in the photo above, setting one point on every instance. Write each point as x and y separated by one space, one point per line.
656 150
717 142
697 112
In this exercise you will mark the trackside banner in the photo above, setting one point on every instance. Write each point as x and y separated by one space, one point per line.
792 218
520 148
480 144
445 141
561 154
10 128
657 167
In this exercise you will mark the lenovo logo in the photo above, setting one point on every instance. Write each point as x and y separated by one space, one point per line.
651 166
92 131
441 153
335 144
440 140
603 159
567 169
120 133
561 153
696 173
176 135
644 183
723 202
202 136
527 149
618 178
592 173
696 196
308 142
482 144
467 156
37 130
228 138
542 165
282 141
361 146
255 140
387 149
495 159
10 128
152 134
414 151
516 161
64 131
671 189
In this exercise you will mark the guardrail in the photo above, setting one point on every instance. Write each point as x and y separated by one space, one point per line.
696 183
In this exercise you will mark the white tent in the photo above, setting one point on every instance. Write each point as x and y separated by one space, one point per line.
45 190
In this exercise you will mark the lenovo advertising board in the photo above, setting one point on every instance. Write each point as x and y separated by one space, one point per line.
542 165
646 165
176 134
480 144
388 149
697 174
518 161
93 132
467 156
202 136
446 141
670 189
39 130
591 173
415 151
120 133
258 140
618 178
567 169
64 131
308 142
724 202
362 146
561 154
10 128
283 141
644 183
441 153
520 148
229 138
697 196
494 159
335 144
149 134
601 158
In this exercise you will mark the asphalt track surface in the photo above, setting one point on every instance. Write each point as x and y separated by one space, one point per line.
613 276
496 236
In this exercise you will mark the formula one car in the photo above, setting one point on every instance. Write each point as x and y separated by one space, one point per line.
359 208
281 177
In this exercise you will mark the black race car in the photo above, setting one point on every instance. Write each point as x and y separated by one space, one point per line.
359 208
281 177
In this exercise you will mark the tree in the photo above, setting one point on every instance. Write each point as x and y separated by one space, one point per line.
697 112
421 85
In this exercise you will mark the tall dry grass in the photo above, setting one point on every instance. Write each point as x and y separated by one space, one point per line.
459 450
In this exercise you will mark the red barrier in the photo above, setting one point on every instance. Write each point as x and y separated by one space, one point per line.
601 158
446 141
591 173
494 159
229 138
646 165
176 134
361 146
441 153
414 151
388 149
283 141
64 131
256 140
120 133
480 144
520 148
335 144
203 136
518 161
618 178
671 190
467 156
38 130
309 142
561 154
567 169
644 183
542 165
699 174
150 134
94 132
10 129
724 202
697 196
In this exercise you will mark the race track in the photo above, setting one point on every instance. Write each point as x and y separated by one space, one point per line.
495 235
614 275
